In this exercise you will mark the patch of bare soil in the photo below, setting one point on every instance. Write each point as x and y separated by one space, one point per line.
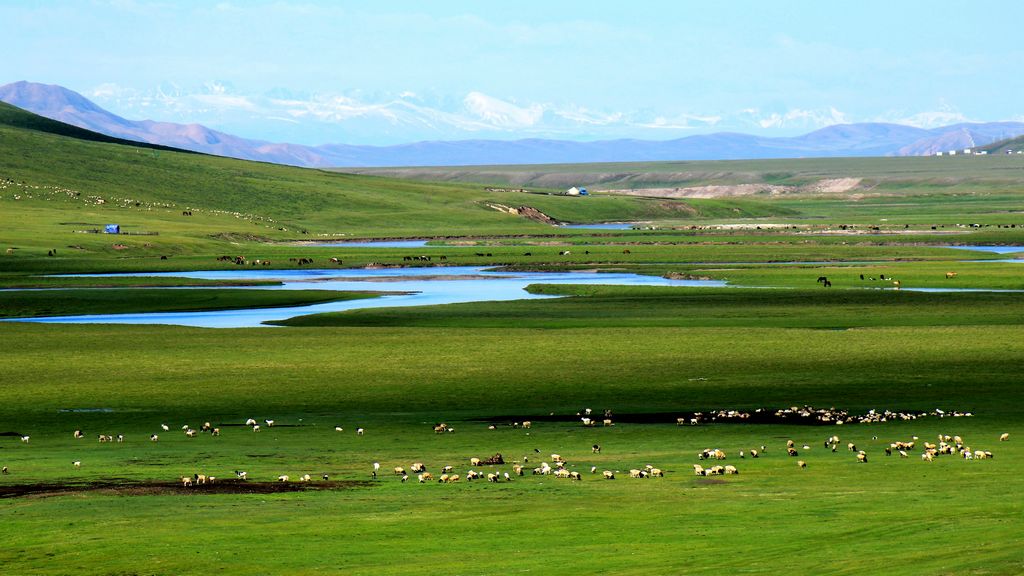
528 212
124 487
826 186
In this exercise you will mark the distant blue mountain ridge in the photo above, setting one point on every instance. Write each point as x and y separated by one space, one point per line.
864 139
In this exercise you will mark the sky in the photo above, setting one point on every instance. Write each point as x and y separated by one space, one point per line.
394 72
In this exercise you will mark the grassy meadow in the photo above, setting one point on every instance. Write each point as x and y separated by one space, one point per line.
775 339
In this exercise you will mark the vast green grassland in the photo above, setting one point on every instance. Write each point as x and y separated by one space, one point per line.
648 354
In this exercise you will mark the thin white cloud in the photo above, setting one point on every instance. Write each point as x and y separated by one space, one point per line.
500 113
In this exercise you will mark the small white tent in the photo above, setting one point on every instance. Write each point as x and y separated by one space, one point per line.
574 191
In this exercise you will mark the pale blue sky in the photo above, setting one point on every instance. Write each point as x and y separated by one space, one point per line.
389 72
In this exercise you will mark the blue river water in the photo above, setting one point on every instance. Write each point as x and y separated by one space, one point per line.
426 286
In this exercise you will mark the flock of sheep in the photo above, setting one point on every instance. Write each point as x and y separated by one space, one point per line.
559 467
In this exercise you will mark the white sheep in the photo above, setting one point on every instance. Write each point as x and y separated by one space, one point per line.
359 431
1004 436
153 438
186 481
609 475
241 474
282 478
79 435
77 463
376 467
270 423
25 439
165 427
256 428
339 429
250 422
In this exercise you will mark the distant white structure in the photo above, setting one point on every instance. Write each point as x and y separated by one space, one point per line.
952 152
983 153
574 191
967 150
939 153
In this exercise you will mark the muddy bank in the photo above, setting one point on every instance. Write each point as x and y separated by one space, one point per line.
124 487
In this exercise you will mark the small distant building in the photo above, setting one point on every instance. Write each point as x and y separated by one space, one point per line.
967 150
939 153
574 191
983 153
952 152
112 229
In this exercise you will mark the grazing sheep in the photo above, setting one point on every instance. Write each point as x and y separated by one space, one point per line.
339 429
474 461
492 477
250 422
927 456
443 479
376 466
731 470
596 448
557 459
191 433
851 447
716 470
186 481
25 439
305 478
903 454
790 444
1004 436
517 469
447 469
656 473
527 424
79 435
399 471
282 478
153 438
404 478
792 452
699 470
427 477
575 476
256 428
801 464
215 432
359 431
453 478
634 473
165 427
120 438
862 457
609 475
419 478
506 476
608 422
77 463
888 451
753 453
241 474
270 423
